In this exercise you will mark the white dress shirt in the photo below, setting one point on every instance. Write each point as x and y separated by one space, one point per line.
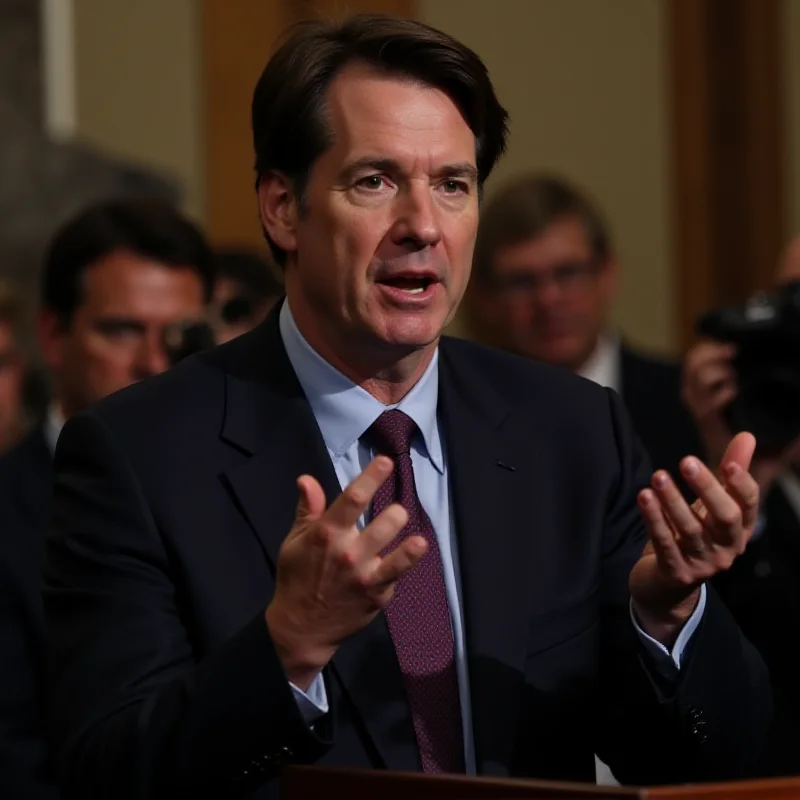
604 364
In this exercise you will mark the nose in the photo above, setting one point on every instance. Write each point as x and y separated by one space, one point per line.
547 294
417 224
151 359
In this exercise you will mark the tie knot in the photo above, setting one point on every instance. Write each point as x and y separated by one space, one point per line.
392 432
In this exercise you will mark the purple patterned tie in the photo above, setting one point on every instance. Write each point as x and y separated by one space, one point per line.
418 615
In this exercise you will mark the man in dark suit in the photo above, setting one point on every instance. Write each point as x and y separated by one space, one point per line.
463 584
116 277
762 588
544 279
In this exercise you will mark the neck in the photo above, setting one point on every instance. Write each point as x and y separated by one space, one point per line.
392 383
388 373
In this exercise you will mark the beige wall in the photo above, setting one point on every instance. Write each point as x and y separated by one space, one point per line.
137 85
583 80
584 83
792 55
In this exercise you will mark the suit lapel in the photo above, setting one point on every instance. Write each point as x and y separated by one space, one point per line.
268 417
493 483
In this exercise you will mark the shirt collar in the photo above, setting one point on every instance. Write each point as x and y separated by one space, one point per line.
344 410
603 366
53 423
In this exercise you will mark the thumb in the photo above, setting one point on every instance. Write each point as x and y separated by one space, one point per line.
311 503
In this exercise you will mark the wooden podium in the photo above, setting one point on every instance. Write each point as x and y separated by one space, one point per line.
317 783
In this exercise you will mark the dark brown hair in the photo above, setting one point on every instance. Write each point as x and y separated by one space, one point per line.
525 208
149 228
290 128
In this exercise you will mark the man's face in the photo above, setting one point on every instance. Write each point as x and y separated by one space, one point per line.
551 297
116 335
380 258
12 374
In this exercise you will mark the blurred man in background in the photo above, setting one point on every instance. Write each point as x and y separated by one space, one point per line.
13 368
762 588
247 288
545 277
115 280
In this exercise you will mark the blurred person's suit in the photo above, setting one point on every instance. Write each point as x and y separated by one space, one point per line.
762 586
114 278
651 390
25 494
762 591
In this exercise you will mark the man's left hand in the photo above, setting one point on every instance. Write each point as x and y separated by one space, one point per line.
690 544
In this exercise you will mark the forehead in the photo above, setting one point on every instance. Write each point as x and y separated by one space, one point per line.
389 115
122 278
563 240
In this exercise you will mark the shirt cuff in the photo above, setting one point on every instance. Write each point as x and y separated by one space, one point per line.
313 704
669 663
758 528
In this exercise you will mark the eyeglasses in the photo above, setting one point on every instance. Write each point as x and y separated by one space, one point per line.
568 278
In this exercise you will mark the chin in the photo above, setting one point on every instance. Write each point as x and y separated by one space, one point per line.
412 334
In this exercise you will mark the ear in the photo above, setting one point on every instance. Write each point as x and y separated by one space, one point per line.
50 335
277 206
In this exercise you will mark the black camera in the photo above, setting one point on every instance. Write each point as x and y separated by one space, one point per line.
766 333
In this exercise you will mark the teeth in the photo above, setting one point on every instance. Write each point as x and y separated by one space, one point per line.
415 290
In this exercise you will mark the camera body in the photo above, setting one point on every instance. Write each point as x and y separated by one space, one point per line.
766 333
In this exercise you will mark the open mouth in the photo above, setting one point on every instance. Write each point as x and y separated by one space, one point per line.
411 285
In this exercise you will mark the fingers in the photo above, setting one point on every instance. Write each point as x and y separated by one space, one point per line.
712 375
381 531
723 514
709 377
740 450
311 504
394 565
709 352
661 535
744 488
682 519
345 511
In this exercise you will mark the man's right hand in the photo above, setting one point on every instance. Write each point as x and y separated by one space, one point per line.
709 384
331 579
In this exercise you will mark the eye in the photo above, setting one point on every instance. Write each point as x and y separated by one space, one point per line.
452 186
371 182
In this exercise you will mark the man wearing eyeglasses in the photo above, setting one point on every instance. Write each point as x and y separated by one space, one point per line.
544 277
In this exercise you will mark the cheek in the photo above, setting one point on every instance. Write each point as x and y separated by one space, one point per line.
9 386
360 239
459 238
106 357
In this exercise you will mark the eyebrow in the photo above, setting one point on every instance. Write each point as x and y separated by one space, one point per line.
458 170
